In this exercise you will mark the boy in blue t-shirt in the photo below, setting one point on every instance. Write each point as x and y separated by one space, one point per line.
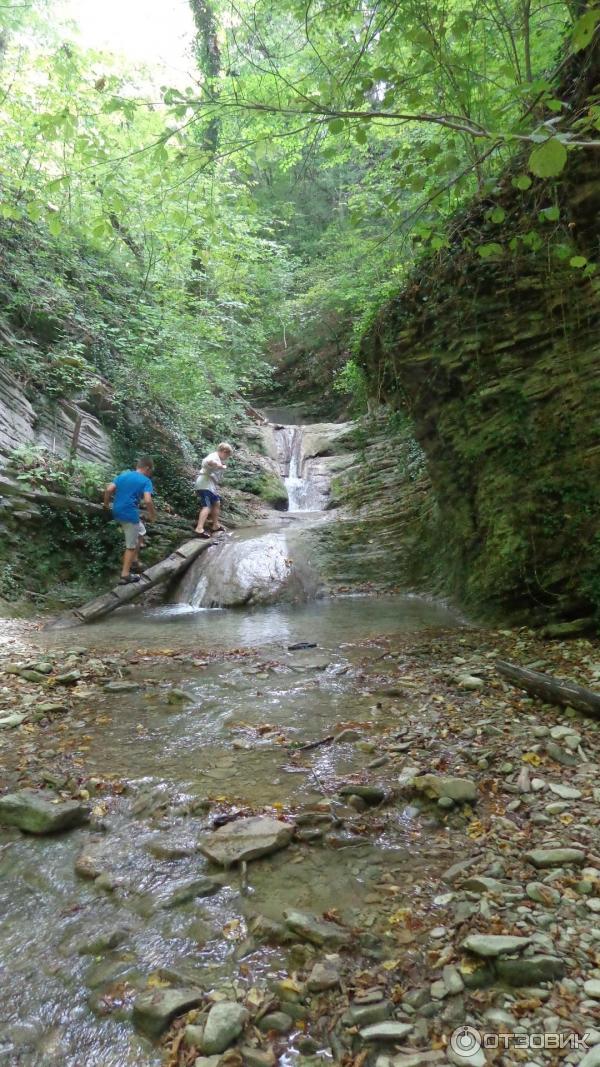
130 488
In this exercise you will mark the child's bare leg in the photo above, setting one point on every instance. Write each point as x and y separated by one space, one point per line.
215 513
202 517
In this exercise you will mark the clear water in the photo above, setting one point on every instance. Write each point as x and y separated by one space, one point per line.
228 742
328 621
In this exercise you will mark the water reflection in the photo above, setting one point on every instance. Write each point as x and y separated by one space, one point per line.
326 622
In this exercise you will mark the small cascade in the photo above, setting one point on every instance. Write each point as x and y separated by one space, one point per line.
266 567
305 484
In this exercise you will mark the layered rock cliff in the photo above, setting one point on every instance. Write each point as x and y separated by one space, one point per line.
496 361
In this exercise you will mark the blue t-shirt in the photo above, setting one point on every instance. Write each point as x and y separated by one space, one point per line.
131 486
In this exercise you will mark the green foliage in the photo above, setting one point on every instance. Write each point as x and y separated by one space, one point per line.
584 29
268 208
548 159
41 469
351 382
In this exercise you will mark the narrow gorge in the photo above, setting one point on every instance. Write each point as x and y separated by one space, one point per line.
309 779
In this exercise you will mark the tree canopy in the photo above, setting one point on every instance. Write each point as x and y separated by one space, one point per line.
277 198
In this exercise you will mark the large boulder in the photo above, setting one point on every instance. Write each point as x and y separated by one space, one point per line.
41 811
246 839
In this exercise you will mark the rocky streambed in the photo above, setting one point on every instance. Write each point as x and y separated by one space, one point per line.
345 853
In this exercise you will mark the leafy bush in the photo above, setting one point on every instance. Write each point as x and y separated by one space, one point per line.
351 381
42 469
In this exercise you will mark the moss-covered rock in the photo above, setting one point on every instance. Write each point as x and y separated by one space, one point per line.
271 489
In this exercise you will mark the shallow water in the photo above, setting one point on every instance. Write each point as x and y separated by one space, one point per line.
229 744
328 621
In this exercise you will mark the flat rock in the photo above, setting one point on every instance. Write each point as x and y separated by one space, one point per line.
51 707
317 931
490 945
417 1059
555 857
467 1059
122 687
367 1014
32 676
461 790
167 847
154 1009
68 678
184 889
257 1057
372 794
530 971
278 1021
591 988
543 894
470 681
591 1058
386 1031
478 883
41 812
14 719
324 975
561 755
246 839
224 1024
97 942
566 792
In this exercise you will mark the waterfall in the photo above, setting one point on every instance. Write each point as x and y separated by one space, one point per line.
306 484
259 566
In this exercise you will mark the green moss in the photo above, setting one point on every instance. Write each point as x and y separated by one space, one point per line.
270 488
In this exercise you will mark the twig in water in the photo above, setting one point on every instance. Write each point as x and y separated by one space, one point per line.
314 744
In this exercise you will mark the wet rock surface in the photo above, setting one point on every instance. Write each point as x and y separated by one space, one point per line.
41 812
439 869
245 839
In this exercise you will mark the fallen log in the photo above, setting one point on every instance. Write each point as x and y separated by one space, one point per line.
551 690
168 568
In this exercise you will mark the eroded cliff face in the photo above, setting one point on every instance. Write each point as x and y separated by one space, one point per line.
497 363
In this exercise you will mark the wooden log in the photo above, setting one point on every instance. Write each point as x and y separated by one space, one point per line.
551 690
168 568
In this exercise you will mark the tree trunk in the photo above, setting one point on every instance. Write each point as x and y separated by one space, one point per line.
171 567
551 690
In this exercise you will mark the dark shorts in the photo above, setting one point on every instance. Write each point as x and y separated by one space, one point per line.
207 499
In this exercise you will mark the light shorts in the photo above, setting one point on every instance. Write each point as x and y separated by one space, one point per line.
132 533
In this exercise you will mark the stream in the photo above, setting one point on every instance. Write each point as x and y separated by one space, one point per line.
74 950
225 742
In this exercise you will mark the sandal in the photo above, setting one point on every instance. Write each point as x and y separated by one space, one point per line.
219 529
129 579
204 535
